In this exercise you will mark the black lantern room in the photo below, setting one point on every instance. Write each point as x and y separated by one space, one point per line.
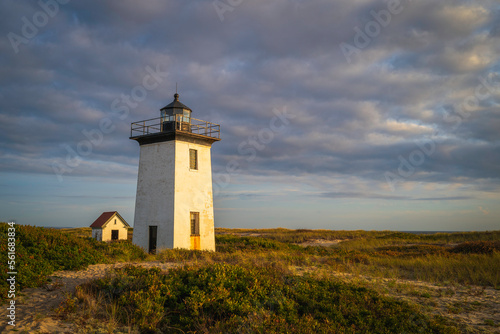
170 111
175 116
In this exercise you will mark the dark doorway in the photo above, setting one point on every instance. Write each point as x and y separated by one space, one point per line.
152 239
114 234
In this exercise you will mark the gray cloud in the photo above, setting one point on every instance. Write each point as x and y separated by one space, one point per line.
352 120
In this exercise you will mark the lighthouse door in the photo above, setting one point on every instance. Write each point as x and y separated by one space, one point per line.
195 230
152 239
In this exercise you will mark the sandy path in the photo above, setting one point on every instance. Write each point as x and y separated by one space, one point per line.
34 309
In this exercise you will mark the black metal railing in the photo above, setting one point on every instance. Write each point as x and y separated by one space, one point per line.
175 123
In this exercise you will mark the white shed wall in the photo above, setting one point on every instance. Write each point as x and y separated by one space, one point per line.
120 226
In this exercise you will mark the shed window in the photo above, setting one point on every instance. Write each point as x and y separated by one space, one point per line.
193 159
195 223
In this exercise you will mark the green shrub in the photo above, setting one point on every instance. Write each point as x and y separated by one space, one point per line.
410 251
41 251
224 298
231 243
477 247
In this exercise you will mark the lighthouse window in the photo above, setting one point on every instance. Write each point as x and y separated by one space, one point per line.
193 159
195 223
186 114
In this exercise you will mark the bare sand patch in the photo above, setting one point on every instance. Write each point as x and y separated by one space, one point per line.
320 242
248 234
34 307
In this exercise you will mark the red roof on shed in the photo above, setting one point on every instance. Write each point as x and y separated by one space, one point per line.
103 219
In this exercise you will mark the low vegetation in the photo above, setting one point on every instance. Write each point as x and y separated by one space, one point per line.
428 258
270 281
42 251
380 237
226 298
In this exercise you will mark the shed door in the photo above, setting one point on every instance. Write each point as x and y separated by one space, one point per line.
114 234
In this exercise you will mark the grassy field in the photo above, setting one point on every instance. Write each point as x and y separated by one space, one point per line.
42 251
457 258
282 281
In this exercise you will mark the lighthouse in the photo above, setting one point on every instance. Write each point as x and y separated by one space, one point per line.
174 201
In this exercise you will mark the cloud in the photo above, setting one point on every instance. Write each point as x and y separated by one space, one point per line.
450 198
359 195
353 121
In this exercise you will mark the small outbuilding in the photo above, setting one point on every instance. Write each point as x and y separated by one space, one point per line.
110 226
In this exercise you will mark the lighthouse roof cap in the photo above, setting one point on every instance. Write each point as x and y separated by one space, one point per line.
176 104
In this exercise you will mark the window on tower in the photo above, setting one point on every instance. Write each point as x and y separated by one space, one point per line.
186 115
193 159
195 223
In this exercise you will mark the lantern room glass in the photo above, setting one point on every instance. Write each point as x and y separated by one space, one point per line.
181 115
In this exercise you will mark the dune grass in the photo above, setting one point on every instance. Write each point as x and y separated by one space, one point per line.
473 269
41 251
407 257
250 285
360 236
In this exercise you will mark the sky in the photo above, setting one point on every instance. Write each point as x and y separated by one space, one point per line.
375 115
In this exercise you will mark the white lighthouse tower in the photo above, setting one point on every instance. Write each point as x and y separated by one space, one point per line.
174 202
